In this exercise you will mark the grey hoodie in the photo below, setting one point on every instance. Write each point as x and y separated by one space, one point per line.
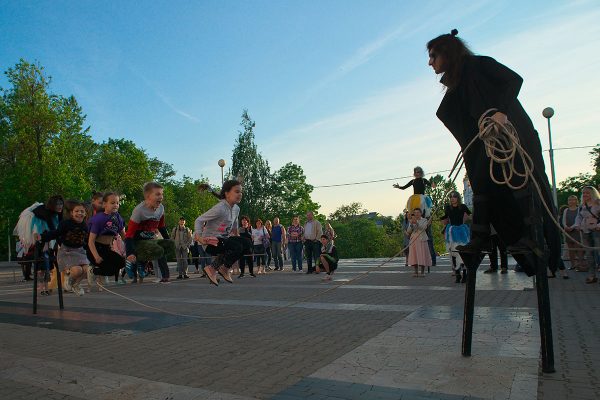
220 220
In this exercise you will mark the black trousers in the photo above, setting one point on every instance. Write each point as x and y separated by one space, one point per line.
498 245
111 262
229 250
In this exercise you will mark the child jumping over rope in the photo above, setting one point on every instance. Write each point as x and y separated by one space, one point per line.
71 234
219 236
105 226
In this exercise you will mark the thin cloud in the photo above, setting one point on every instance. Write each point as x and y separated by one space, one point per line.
385 135
162 96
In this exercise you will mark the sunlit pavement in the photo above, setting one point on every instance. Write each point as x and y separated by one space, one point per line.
287 335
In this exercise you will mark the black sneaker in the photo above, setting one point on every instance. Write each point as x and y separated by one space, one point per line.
180 277
491 271
240 276
252 275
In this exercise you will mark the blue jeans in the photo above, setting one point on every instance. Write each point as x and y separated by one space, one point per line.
591 239
296 254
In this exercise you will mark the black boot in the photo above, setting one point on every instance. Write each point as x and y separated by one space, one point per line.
464 276
457 275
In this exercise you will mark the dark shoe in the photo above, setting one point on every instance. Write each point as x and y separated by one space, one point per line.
552 275
504 271
457 277
252 275
464 276
186 277
240 276
491 271
180 277
225 273
211 274
590 279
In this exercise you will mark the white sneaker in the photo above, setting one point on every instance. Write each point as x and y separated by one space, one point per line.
77 289
67 284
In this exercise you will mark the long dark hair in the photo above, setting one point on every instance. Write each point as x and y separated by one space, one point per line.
453 51
227 186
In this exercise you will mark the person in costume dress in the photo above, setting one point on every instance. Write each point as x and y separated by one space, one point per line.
476 85
419 199
419 256
456 233
33 221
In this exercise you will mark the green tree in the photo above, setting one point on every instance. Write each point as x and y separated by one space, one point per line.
249 166
573 184
29 124
69 153
438 193
290 194
346 212
183 199
119 165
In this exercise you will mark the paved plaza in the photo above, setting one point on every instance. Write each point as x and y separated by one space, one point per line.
289 336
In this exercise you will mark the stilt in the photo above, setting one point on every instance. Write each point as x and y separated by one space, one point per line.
535 256
472 262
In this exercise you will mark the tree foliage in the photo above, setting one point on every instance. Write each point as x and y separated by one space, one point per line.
290 194
252 169
573 184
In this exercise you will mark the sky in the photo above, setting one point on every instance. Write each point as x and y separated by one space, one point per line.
341 88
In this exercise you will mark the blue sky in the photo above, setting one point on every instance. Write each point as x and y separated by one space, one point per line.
341 88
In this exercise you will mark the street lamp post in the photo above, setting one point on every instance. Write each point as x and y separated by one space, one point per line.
222 164
548 113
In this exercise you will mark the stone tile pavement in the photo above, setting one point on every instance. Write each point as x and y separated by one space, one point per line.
384 336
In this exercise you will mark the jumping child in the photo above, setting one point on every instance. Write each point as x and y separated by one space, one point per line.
219 236
71 234
104 227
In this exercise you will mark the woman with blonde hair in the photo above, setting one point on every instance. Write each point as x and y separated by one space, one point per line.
588 223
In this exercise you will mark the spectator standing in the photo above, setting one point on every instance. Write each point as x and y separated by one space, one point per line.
269 244
576 254
182 236
312 245
259 237
295 238
588 223
278 238
247 256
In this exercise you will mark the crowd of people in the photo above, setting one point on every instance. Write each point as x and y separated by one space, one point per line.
75 240
580 221
91 240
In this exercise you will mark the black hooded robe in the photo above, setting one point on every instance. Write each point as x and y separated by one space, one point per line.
486 84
